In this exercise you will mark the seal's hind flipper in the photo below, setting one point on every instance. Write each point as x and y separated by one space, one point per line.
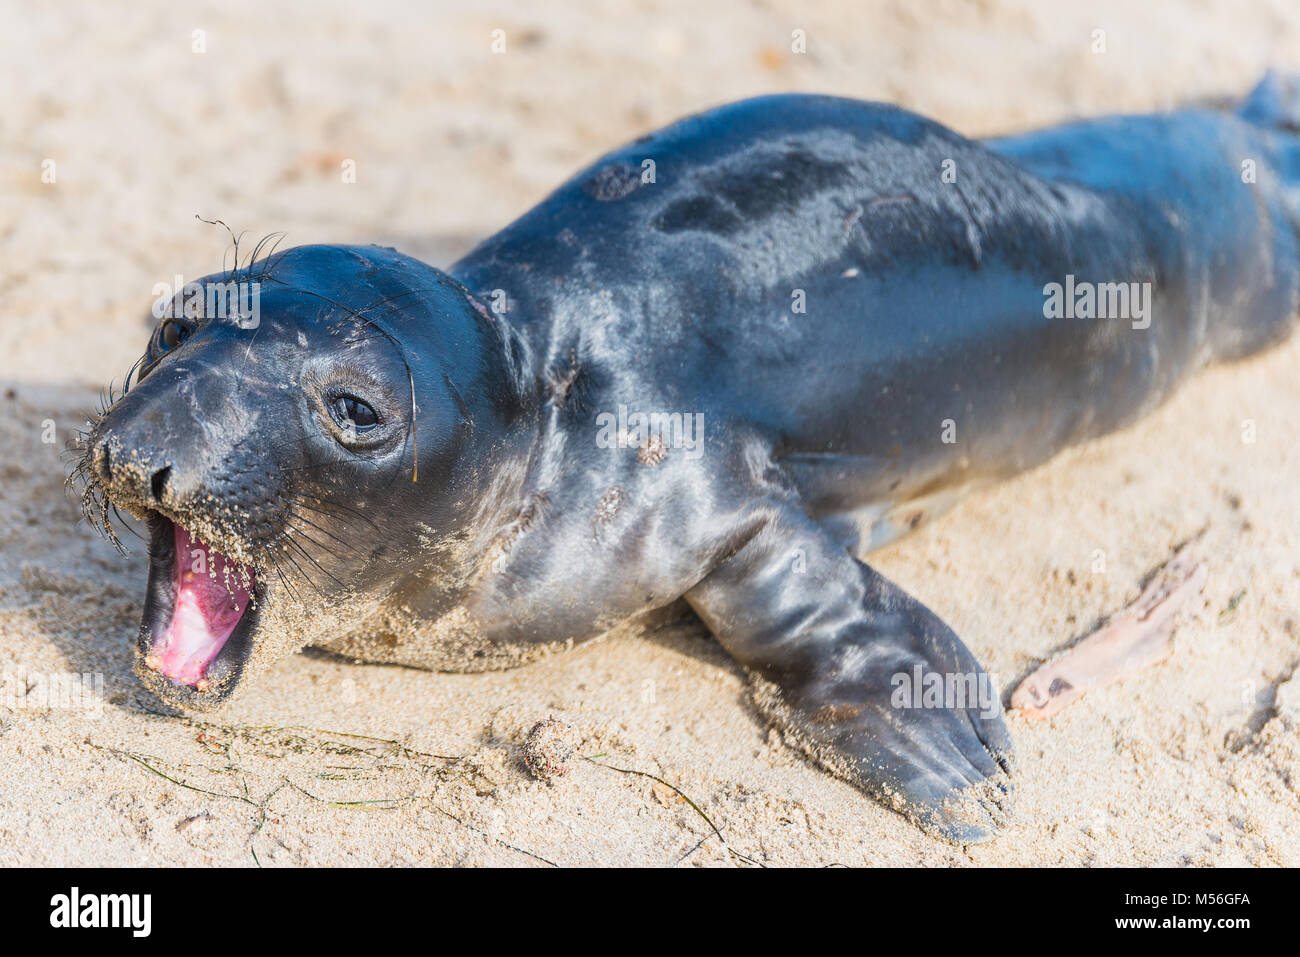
861 676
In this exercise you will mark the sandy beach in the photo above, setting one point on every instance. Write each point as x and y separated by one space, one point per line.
1195 761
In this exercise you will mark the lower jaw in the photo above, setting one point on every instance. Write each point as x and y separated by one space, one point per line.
182 697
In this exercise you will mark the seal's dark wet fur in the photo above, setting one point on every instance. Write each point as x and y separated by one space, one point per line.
921 258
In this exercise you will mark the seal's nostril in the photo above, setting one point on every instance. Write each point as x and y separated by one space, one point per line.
159 482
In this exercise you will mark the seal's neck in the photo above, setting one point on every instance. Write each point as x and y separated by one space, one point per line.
508 351
467 495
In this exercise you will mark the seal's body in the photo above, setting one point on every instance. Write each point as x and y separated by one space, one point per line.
923 299
717 365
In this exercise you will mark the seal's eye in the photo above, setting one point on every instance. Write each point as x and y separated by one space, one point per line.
171 334
352 414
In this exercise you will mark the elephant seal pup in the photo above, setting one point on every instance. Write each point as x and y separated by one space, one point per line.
721 364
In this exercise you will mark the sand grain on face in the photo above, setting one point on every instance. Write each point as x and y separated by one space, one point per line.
323 762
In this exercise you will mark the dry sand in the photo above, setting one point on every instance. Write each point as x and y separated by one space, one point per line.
1196 761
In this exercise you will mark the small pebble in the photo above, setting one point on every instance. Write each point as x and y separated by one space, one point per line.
193 826
548 749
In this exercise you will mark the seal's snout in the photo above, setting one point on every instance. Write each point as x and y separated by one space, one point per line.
133 478
178 445
206 507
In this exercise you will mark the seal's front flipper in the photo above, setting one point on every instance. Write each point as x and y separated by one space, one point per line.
864 678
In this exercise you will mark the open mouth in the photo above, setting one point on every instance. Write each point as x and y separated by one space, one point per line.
200 609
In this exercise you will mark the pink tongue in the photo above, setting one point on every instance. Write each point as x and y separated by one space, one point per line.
206 610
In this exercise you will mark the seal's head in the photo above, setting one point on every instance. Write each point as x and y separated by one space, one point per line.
298 431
